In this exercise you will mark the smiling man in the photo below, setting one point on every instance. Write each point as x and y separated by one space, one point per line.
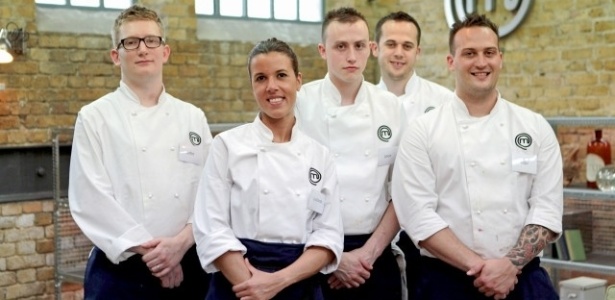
361 125
397 48
477 183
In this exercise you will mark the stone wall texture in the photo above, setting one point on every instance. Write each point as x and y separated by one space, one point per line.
559 62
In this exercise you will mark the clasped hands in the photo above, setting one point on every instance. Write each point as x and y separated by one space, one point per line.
354 269
261 285
495 277
163 256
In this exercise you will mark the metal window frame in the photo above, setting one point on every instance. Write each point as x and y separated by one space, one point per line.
216 14
69 5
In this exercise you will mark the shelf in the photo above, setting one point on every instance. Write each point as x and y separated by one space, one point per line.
585 193
595 263
220 127
76 275
582 121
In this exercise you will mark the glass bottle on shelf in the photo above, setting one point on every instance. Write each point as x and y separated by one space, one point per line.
598 156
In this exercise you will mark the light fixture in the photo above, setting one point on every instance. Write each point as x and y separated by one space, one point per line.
5 45
12 42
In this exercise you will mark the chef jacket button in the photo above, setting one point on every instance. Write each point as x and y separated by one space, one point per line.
478 212
505 211
262 149
464 126
176 195
472 164
150 196
502 163
143 149
133 114
336 154
341 199
172 149
366 199
366 152
265 192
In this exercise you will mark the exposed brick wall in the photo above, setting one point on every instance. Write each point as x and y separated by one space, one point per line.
565 69
561 61
26 251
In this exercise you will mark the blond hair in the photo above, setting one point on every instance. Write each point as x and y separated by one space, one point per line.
134 13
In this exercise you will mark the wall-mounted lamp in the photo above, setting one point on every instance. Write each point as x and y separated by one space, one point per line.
12 42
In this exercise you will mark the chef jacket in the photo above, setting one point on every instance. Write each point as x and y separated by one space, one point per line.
253 188
485 178
134 170
420 96
363 138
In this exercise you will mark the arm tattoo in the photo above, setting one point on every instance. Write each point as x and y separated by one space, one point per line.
532 240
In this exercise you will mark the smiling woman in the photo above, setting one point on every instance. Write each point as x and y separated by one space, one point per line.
257 236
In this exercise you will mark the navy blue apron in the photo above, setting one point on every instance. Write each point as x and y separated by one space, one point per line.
384 281
132 280
412 256
269 257
440 280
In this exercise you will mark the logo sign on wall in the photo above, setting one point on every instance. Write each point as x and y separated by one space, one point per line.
458 10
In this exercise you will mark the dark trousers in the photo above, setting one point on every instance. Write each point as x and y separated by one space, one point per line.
383 283
132 280
269 257
440 280
412 256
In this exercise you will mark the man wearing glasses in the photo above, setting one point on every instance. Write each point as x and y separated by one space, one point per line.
136 160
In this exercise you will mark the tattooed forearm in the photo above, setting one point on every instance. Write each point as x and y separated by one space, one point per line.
532 240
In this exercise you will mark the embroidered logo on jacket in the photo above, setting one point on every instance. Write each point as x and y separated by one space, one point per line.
430 109
314 176
384 133
523 140
195 139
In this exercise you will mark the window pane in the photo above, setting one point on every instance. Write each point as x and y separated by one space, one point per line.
259 9
231 8
117 3
58 2
310 10
204 7
88 3
285 9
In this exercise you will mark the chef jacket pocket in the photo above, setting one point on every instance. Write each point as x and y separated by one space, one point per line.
191 154
524 162
386 155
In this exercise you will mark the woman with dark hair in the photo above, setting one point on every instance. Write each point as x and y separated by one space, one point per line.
267 218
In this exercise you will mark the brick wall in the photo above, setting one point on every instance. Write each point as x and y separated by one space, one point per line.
26 250
565 69
561 61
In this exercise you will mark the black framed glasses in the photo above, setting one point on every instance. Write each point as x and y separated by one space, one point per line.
132 43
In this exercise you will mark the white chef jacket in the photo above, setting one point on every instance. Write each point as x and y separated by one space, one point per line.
134 170
363 139
484 178
270 192
420 96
